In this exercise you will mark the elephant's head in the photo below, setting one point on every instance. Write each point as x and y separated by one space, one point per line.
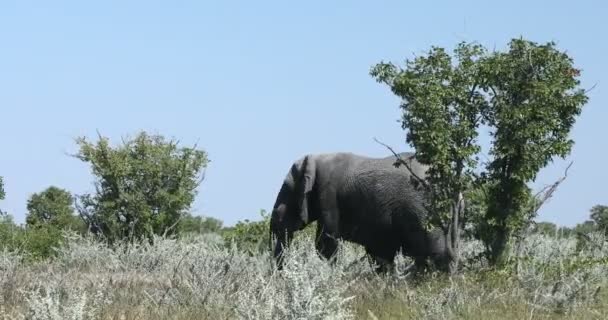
439 252
291 209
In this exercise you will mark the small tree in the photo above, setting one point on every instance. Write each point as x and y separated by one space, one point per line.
54 207
529 98
599 214
199 224
546 228
2 193
251 237
441 111
143 186
534 100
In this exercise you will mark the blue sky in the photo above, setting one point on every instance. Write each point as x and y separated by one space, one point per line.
258 84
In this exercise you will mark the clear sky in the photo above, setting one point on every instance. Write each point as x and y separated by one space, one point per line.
258 84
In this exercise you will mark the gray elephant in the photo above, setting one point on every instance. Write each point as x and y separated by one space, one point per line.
364 200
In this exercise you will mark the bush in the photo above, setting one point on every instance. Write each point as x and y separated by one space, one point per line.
197 224
200 279
143 186
253 237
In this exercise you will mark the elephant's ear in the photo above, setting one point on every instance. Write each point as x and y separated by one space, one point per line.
305 184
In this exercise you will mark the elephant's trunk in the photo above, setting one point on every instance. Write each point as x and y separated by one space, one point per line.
279 230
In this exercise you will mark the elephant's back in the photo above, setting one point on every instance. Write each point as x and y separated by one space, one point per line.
381 194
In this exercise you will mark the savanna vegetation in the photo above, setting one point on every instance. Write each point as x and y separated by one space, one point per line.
132 249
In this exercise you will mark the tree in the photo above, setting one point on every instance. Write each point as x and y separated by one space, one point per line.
546 228
8 232
441 111
143 186
534 100
599 215
53 206
585 228
198 224
251 237
2 193
528 96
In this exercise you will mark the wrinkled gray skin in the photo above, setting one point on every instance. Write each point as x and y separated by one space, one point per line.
359 199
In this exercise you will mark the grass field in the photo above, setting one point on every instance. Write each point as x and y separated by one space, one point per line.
198 278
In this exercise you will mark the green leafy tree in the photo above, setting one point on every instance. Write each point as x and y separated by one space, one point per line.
599 215
582 232
251 237
53 207
49 213
40 242
9 233
34 244
565 232
2 193
534 99
441 111
143 186
546 228
585 228
528 96
199 224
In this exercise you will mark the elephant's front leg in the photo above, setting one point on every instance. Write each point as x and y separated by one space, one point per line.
382 264
326 242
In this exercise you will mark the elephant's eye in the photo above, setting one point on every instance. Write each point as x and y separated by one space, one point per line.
280 211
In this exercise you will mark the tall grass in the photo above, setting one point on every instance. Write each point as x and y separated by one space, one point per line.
198 278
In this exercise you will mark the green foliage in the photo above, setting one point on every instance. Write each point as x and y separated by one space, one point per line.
441 111
9 233
599 215
35 243
545 228
528 96
53 207
477 205
2 193
534 100
41 242
198 224
586 227
143 186
565 232
251 237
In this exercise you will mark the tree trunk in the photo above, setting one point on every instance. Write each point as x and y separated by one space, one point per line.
454 234
499 246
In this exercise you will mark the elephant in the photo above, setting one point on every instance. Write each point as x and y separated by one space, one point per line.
360 199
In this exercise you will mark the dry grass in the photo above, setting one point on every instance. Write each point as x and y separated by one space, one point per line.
199 279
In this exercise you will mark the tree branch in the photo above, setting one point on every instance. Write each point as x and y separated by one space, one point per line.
472 92
547 192
404 163
592 87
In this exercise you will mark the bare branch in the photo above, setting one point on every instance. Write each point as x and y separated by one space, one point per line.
200 180
168 229
592 87
404 163
547 192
